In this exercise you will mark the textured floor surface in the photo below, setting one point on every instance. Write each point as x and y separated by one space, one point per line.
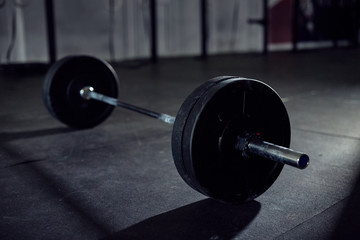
118 180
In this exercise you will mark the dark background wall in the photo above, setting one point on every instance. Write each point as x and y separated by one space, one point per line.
120 29
83 26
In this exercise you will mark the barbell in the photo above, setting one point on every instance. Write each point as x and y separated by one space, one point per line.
230 138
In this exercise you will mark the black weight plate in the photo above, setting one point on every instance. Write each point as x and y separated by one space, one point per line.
180 122
62 85
228 109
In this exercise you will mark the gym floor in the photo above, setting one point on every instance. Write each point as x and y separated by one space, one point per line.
118 180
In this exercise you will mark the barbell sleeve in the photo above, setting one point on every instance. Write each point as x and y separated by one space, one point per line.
277 153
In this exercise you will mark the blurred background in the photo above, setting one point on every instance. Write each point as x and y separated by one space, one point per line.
116 30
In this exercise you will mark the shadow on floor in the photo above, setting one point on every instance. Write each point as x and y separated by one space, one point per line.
10 136
206 219
54 189
348 224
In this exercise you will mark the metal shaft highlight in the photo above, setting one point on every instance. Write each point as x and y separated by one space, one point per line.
277 153
89 93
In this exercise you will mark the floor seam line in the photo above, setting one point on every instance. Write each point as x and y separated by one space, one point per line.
327 134
337 202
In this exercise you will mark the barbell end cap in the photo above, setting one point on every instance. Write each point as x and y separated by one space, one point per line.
85 92
303 161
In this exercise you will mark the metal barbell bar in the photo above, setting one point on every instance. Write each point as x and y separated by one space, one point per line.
89 93
251 145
